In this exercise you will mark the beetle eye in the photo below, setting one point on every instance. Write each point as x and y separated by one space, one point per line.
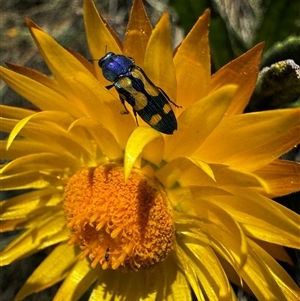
100 63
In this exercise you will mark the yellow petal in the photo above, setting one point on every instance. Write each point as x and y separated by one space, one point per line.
186 172
107 289
266 278
20 206
138 140
22 147
251 141
103 137
185 264
31 179
82 277
192 64
36 128
61 236
205 264
18 127
243 72
225 235
158 62
283 177
62 117
276 251
14 112
82 137
204 166
286 284
43 162
52 270
234 277
35 75
263 218
187 226
30 241
180 198
137 33
173 278
197 122
7 124
227 238
84 62
173 172
140 286
38 94
15 224
63 65
99 36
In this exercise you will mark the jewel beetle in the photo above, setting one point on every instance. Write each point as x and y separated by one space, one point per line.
148 101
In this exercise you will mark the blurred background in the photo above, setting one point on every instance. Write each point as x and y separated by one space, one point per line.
236 26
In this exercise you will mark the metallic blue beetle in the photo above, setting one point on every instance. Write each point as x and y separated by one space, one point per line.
148 101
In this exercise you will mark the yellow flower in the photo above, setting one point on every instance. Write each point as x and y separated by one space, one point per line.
132 212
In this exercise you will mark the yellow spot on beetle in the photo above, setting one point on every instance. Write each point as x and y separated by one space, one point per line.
150 89
148 86
140 100
167 108
125 82
155 119
136 73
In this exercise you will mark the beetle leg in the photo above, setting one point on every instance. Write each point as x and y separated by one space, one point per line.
135 115
122 98
163 92
109 87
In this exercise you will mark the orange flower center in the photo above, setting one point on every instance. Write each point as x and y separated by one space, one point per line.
119 225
